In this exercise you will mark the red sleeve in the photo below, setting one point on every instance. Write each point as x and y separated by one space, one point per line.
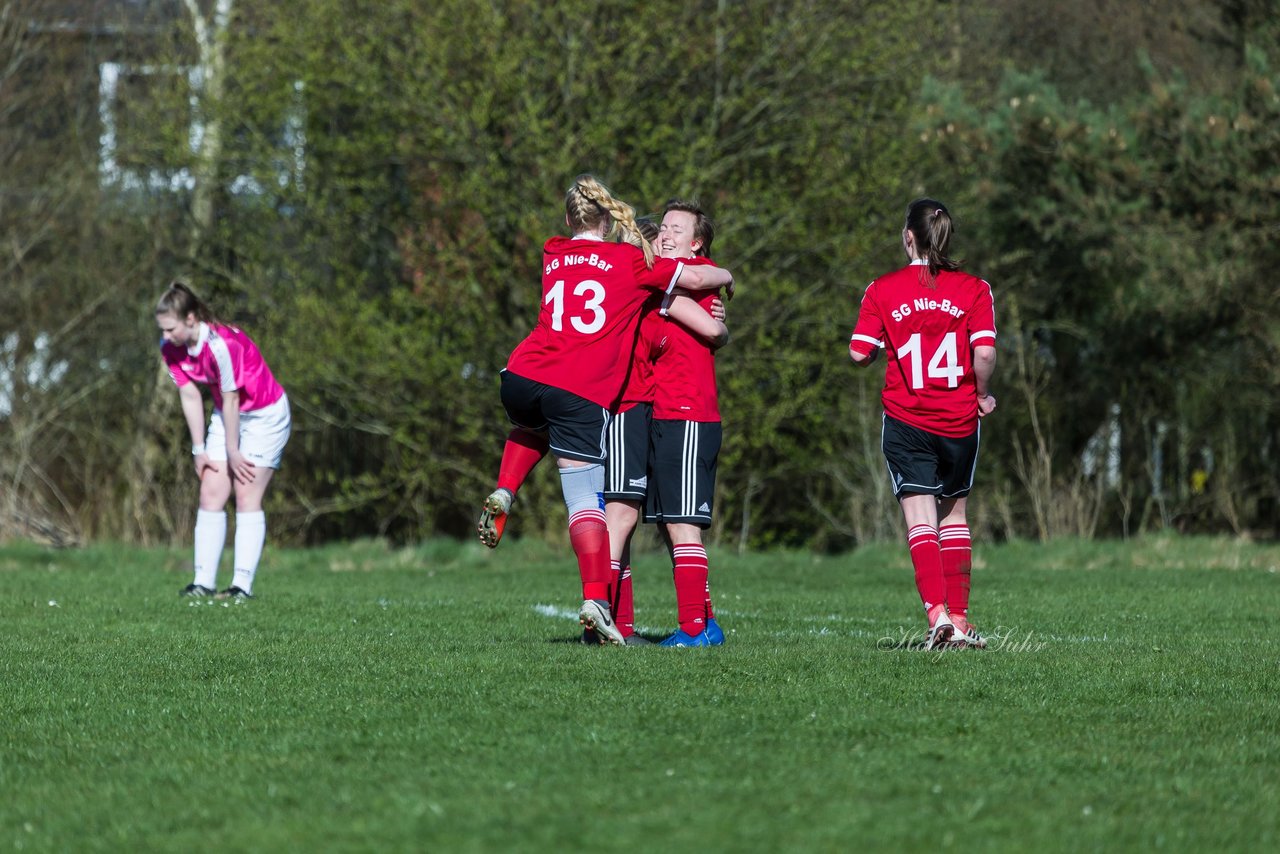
868 332
982 318
662 277
702 298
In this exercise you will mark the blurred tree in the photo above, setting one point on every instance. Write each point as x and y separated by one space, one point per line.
366 187
1132 247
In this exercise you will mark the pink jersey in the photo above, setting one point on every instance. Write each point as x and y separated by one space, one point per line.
224 359
639 387
928 335
685 374
592 293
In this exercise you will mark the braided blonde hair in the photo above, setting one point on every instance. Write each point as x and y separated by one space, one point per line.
588 202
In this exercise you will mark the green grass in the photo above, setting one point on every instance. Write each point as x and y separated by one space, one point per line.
434 699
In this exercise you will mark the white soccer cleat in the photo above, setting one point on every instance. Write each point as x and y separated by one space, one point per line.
968 637
595 616
940 633
493 516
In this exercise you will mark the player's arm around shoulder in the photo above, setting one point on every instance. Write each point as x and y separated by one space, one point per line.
706 277
691 316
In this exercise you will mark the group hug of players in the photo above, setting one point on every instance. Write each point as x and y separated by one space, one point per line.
617 382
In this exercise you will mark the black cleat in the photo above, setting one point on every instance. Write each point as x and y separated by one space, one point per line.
234 593
196 591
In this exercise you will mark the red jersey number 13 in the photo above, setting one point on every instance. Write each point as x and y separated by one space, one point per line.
591 317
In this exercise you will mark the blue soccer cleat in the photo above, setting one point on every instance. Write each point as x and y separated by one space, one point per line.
714 633
681 638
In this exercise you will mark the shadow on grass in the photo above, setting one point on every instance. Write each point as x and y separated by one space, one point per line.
578 639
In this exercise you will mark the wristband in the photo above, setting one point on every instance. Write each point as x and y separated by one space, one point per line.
197 450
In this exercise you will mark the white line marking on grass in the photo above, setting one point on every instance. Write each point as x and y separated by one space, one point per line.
828 632
556 611
828 618
1007 637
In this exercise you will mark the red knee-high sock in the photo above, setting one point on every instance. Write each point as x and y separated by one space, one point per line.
624 606
589 537
711 614
690 572
957 563
927 560
615 583
519 455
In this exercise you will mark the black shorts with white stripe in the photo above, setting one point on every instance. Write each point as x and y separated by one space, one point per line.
574 425
626 467
924 463
682 471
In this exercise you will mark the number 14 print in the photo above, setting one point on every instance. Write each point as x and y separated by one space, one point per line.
943 366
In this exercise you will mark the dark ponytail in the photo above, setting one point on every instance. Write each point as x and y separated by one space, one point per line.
179 300
930 224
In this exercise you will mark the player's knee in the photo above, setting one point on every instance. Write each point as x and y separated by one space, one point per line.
622 514
681 533
583 487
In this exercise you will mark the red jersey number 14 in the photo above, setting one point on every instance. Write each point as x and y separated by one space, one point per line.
944 365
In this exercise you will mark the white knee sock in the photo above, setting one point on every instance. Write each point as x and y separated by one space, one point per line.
251 533
211 533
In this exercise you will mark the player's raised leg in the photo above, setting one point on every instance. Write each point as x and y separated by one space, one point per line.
523 450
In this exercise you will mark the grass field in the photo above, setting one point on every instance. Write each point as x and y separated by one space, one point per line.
436 699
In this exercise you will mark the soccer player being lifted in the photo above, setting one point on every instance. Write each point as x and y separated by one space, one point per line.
561 381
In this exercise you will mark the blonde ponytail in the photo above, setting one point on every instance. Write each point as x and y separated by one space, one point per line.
588 201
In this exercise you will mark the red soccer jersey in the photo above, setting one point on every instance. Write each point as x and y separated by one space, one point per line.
639 387
592 292
928 335
684 375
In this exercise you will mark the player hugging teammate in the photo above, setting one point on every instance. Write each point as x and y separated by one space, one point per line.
563 380
685 436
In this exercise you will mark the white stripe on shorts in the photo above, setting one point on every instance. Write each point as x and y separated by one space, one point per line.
688 471
604 431
617 454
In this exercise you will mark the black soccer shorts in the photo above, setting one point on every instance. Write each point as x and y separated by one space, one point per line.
626 472
924 463
575 426
682 471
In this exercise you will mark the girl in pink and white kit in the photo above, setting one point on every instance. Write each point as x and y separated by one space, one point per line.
246 436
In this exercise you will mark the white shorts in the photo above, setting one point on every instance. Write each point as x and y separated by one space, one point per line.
263 434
